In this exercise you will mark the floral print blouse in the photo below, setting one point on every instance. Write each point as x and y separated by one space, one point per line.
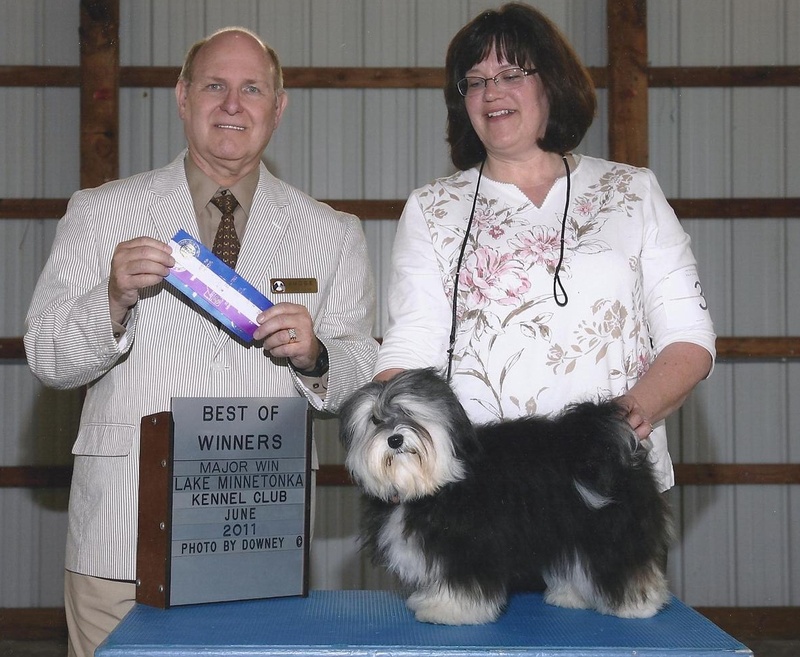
628 273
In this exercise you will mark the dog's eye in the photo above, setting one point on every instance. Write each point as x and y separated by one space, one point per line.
374 420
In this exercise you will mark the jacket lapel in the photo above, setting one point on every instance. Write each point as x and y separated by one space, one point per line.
171 209
266 228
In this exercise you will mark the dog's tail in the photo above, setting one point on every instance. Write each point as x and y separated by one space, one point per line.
615 466
606 442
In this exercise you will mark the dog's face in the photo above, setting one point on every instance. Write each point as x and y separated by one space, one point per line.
402 436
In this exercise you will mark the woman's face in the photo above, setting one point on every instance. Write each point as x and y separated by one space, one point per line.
507 121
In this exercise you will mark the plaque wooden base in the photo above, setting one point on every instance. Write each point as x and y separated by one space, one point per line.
155 510
224 501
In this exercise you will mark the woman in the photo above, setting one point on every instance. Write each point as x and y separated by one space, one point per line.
571 275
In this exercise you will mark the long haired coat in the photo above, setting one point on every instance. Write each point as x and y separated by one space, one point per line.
464 514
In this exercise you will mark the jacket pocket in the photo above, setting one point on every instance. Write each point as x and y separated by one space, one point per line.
104 440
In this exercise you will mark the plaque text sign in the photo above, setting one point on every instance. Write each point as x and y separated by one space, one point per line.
237 522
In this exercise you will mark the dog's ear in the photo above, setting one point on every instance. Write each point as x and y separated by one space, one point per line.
356 411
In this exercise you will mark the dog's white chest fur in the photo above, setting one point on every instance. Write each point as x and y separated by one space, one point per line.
403 552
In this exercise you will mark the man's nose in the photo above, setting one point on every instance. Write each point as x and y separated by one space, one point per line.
232 102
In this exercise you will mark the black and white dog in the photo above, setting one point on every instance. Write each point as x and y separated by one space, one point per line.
465 514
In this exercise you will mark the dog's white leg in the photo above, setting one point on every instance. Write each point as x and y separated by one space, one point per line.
561 593
568 586
440 604
571 587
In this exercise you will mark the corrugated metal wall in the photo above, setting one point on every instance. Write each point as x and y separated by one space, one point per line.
738 544
38 158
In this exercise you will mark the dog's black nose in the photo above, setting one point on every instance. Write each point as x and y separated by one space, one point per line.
395 441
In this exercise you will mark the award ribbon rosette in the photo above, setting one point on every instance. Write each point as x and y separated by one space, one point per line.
215 287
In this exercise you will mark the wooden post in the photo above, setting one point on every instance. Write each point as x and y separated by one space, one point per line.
99 67
627 81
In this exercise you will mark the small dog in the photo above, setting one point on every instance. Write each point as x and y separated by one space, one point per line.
465 514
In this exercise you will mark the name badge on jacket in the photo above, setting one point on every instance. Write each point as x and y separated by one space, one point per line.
293 285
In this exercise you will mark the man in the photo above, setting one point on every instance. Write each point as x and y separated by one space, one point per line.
103 316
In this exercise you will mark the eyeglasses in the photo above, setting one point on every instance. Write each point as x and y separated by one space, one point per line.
508 79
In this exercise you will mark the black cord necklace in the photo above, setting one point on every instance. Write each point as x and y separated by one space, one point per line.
453 320
557 274
557 284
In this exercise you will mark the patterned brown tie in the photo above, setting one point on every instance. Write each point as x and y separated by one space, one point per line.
226 242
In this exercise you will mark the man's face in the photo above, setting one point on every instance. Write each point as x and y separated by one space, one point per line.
230 108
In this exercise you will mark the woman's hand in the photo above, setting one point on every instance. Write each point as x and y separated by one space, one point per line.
665 386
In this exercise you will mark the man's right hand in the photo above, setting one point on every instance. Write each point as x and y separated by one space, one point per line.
136 264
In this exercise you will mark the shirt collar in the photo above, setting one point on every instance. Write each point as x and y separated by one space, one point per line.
202 188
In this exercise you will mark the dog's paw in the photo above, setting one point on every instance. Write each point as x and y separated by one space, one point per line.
646 596
565 596
444 607
642 609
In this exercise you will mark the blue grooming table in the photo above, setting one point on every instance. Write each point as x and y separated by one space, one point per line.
362 623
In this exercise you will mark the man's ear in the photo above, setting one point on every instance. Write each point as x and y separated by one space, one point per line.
281 101
181 91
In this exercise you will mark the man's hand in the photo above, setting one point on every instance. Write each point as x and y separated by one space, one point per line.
288 332
136 264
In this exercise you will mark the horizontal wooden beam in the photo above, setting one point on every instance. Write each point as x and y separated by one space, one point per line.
736 208
390 209
35 476
364 78
728 348
352 77
54 208
12 349
686 474
315 77
724 76
333 475
33 624
32 208
40 76
685 208
779 623
308 77
774 348
714 474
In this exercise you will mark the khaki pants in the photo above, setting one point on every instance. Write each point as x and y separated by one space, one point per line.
94 607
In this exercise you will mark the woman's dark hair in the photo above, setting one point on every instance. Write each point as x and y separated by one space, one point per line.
526 38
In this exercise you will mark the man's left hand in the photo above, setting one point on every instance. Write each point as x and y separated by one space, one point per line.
288 332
